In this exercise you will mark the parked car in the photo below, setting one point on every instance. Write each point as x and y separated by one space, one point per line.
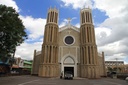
68 75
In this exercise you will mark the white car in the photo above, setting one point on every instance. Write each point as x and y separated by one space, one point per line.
126 79
68 75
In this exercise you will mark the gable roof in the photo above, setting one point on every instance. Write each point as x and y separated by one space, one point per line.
69 26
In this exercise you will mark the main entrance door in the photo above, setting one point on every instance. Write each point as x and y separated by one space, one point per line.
69 69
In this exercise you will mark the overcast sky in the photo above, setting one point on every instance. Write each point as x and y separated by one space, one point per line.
110 19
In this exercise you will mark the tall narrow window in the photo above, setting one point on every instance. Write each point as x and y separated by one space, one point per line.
89 55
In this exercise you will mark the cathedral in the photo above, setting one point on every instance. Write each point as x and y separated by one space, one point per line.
69 48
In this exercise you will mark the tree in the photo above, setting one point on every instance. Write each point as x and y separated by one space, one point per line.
117 69
12 31
110 69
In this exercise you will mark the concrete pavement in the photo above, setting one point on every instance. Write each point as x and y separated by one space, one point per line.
34 80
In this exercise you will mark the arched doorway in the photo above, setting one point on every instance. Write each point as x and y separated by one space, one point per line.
68 63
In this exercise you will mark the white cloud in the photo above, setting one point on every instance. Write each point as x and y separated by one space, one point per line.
36 28
113 8
77 3
26 50
63 23
34 25
101 33
11 3
77 25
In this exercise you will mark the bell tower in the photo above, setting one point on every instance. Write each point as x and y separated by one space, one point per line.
88 48
49 66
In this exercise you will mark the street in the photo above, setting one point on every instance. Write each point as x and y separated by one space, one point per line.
34 80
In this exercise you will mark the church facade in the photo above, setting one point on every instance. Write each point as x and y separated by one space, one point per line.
69 49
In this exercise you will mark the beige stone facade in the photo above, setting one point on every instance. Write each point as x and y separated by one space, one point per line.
70 48
103 71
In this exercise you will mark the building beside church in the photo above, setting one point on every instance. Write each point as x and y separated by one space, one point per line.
118 66
69 49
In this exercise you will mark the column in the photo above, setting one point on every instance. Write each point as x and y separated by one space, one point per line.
56 55
50 51
54 34
90 54
81 54
93 60
49 36
54 17
84 56
89 33
49 17
87 54
96 55
48 55
84 17
52 54
81 18
86 34
46 35
81 35
44 54
93 34
89 17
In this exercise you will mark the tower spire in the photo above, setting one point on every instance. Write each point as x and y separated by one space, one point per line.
52 16
86 16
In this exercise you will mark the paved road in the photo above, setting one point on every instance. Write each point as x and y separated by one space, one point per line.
33 80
